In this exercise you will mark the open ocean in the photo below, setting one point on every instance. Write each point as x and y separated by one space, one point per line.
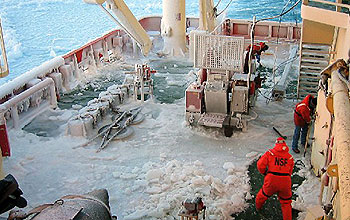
38 30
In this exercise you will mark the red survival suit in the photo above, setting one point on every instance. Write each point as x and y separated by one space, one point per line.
277 164
302 112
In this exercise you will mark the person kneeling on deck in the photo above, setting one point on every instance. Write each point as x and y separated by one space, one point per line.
277 166
257 50
302 118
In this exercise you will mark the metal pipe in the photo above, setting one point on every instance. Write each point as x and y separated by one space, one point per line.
342 141
173 27
11 104
252 31
116 21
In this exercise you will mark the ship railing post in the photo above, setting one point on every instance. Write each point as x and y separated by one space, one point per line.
13 102
53 96
93 59
15 117
142 84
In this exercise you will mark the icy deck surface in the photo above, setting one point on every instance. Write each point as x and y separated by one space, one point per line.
153 171
149 174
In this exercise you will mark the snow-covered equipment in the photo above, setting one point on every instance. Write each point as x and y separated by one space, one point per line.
91 206
142 81
192 208
223 94
120 128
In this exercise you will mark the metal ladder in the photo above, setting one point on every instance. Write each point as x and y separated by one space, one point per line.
313 59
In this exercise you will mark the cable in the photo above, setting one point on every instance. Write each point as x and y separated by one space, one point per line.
224 8
253 118
217 4
263 95
286 62
278 34
280 20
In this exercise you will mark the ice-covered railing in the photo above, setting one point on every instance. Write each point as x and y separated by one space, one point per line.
38 89
33 90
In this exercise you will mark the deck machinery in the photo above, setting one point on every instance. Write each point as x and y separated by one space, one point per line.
223 93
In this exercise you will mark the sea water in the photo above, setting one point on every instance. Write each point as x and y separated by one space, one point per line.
38 30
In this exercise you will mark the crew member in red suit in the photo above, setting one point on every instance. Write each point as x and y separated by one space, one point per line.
277 166
302 118
257 50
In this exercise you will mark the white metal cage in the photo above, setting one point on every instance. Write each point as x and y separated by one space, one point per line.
218 52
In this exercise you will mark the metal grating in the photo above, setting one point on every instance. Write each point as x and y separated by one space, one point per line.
218 52
212 120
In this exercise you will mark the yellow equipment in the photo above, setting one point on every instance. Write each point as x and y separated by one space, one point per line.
127 21
4 68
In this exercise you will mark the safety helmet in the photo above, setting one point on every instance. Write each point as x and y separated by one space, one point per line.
281 143
263 46
280 140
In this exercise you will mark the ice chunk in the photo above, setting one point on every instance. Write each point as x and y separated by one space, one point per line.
198 181
154 174
127 176
248 196
231 180
154 190
162 157
198 163
229 165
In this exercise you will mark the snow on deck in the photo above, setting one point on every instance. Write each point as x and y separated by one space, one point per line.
149 174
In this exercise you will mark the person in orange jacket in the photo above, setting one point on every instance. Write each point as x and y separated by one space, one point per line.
277 166
257 50
302 118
